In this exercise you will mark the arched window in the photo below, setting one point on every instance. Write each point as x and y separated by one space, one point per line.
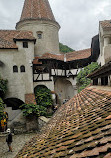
22 68
15 68
39 35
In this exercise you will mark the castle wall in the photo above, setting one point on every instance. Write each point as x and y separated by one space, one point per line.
49 43
48 84
64 89
105 45
19 83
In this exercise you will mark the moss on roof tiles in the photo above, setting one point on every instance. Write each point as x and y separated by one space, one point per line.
81 133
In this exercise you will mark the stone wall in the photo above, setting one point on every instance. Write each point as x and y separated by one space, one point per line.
22 124
64 90
19 83
49 43
30 98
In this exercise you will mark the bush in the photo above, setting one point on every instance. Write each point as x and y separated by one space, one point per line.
82 80
2 105
30 110
42 111
43 97
3 87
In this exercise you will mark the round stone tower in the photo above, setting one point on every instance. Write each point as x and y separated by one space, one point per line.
37 17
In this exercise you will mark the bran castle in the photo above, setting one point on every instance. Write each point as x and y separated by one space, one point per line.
30 56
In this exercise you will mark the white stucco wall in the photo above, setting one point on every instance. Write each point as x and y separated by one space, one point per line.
19 83
64 89
49 42
48 84
105 45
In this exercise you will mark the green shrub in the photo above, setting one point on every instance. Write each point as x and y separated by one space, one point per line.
43 97
42 111
2 105
82 80
30 110
3 87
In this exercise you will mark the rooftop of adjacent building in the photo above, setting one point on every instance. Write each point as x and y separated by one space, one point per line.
80 128
68 57
8 38
105 24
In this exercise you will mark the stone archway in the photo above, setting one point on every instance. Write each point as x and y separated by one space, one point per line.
13 107
39 86
13 102
64 89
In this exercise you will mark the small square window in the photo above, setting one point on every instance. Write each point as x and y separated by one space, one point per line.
25 44
39 35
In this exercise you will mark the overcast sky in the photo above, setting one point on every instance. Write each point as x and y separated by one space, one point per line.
79 19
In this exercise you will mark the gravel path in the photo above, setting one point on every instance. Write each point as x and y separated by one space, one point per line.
18 143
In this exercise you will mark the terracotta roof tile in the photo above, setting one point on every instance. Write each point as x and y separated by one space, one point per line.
76 55
37 9
76 133
105 24
7 37
81 54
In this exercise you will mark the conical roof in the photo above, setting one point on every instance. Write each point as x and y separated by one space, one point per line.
37 9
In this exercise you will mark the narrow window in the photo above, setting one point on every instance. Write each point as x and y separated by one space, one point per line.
104 81
95 81
22 68
25 44
15 68
39 35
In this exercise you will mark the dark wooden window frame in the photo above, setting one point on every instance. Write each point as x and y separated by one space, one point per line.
22 68
25 44
15 68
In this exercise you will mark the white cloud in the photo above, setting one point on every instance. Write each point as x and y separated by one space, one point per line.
79 19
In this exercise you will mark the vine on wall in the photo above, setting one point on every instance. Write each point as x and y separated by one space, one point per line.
82 80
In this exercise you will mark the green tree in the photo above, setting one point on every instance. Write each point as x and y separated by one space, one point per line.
65 48
82 80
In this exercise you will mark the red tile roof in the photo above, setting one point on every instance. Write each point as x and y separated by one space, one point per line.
52 56
81 54
76 55
37 9
105 24
7 37
81 128
35 61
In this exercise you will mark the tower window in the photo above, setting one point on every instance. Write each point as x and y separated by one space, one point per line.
39 35
25 44
22 68
15 68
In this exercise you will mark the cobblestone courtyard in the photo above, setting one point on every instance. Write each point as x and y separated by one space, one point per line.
18 143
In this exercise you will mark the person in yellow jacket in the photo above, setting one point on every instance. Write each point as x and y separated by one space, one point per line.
3 124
